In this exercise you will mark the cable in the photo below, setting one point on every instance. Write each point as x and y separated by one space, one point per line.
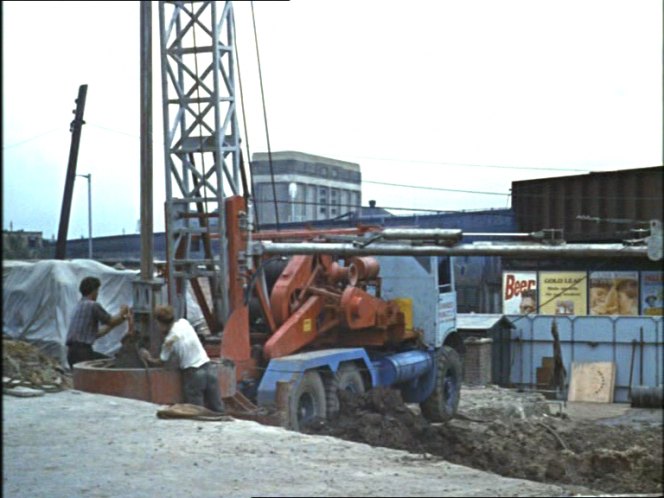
30 139
311 203
244 122
434 188
254 276
470 165
496 211
113 131
267 132
519 194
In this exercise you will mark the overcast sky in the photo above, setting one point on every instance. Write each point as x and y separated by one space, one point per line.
463 95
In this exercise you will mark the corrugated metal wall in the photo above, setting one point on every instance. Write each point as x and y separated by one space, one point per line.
634 194
590 339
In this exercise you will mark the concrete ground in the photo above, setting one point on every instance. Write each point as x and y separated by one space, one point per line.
72 444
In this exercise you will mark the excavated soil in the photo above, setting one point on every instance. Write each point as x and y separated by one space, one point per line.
28 371
548 449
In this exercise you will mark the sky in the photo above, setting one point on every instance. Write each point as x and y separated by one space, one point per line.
451 95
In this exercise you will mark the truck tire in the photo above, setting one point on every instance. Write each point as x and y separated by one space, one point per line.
350 379
307 401
442 405
347 378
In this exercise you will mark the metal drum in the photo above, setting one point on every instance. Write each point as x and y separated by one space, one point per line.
647 397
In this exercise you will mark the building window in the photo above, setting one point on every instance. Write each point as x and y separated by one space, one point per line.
323 210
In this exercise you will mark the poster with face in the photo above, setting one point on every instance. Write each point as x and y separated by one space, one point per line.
652 293
563 293
519 293
613 293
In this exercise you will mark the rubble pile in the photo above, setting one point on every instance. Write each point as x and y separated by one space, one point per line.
26 371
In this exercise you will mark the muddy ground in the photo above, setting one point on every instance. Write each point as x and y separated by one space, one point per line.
519 439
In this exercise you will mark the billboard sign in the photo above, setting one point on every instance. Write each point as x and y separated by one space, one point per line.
563 293
519 292
614 293
652 293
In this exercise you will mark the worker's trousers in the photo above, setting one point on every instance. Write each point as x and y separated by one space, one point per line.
79 351
201 387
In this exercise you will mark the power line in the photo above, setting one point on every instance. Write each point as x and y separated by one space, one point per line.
586 277
30 139
435 188
113 131
488 211
520 194
471 165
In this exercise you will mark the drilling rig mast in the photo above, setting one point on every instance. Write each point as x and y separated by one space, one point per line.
202 146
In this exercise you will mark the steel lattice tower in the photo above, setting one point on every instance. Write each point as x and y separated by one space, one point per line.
201 141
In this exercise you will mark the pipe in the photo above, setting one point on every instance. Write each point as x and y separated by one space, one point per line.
147 265
403 367
477 249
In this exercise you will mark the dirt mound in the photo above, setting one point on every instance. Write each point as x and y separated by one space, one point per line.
25 366
547 449
379 418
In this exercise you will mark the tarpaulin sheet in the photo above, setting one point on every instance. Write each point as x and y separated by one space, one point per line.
39 298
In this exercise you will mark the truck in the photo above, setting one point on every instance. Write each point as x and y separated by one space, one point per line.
325 323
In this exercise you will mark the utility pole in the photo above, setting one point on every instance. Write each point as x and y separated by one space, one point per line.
75 128
89 177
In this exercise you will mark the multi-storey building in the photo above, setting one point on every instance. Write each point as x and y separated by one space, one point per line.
307 187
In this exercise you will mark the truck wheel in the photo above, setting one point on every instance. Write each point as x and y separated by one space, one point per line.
347 378
442 405
350 379
308 401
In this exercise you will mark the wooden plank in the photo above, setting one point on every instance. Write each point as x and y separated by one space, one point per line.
548 363
592 382
543 376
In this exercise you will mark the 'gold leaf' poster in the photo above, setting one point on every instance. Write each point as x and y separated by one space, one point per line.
563 293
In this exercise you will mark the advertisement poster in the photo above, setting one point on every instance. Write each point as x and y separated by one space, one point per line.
614 293
519 292
652 293
563 293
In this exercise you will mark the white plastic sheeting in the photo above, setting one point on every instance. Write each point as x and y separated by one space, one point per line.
38 299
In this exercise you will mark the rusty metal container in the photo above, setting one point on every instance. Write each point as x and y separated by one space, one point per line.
156 385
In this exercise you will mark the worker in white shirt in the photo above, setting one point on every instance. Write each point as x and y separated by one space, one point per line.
201 384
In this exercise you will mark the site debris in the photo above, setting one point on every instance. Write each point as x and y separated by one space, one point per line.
511 434
26 371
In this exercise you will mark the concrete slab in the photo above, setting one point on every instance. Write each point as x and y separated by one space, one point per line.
73 444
